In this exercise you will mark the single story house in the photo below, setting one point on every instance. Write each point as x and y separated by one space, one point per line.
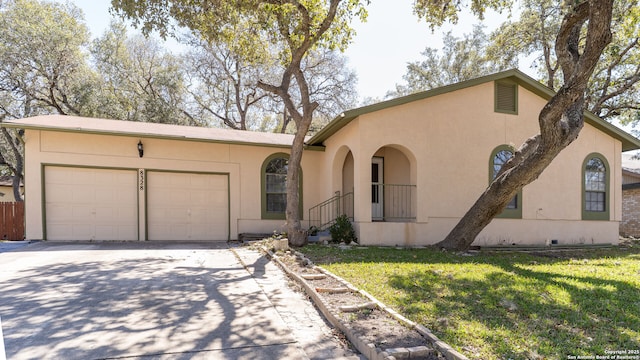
406 170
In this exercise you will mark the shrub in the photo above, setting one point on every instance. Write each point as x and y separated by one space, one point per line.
312 231
342 230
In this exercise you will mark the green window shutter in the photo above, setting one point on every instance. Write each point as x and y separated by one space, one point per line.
506 97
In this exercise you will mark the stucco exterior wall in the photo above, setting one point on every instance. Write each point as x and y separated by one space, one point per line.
7 192
242 163
447 141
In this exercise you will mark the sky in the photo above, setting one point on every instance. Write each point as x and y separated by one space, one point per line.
390 38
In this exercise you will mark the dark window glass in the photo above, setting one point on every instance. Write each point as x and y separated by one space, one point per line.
276 185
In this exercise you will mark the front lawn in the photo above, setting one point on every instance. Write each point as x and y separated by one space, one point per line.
509 305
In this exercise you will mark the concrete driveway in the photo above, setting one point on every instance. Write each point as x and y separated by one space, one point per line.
148 301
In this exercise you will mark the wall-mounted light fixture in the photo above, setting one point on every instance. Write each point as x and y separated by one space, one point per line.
140 149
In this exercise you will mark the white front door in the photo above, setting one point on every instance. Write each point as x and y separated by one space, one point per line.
377 189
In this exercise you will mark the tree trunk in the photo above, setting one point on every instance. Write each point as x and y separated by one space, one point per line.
525 169
297 236
560 120
18 167
18 177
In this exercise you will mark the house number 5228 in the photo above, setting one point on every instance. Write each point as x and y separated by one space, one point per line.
141 180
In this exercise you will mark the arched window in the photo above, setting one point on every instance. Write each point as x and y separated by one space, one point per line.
274 186
499 157
595 187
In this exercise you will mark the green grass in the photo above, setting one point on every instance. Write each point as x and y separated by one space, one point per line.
505 305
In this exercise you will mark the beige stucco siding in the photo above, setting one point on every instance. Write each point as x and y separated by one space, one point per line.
448 140
241 163
7 192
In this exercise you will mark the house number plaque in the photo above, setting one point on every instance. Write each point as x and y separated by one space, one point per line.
141 179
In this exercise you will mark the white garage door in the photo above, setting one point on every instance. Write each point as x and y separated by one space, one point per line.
186 206
90 204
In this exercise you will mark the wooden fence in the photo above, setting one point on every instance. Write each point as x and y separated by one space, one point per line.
11 220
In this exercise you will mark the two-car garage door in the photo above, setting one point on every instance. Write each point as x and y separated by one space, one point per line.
103 204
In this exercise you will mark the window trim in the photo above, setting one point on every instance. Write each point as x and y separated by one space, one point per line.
506 213
263 191
496 108
596 215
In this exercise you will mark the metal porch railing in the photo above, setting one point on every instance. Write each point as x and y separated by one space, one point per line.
393 202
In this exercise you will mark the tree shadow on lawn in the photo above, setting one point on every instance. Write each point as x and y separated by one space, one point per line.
514 305
141 307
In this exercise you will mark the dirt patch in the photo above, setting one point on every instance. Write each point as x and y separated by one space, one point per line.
371 324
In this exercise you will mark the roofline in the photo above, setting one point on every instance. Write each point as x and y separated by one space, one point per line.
152 136
629 142
631 186
10 185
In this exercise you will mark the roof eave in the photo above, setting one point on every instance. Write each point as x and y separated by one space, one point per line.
151 136
629 142
343 119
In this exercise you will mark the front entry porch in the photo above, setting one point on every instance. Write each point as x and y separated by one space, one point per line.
384 193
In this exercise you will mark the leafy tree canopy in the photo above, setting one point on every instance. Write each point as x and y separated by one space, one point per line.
459 59
248 28
614 86
246 25
582 36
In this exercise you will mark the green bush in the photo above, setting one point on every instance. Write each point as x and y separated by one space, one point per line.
313 231
342 230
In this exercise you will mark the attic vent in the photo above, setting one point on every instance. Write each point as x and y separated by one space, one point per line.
506 97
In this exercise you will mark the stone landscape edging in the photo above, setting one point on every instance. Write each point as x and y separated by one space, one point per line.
368 350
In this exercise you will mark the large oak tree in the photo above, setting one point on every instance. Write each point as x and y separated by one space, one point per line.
250 28
42 69
615 83
139 80
458 60
583 34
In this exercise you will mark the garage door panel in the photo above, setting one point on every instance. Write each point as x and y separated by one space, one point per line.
220 198
82 213
57 193
107 195
116 232
53 231
105 214
81 177
187 206
81 231
56 212
91 204
125 214
79 195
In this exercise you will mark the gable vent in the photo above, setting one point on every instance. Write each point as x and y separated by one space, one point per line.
506 98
